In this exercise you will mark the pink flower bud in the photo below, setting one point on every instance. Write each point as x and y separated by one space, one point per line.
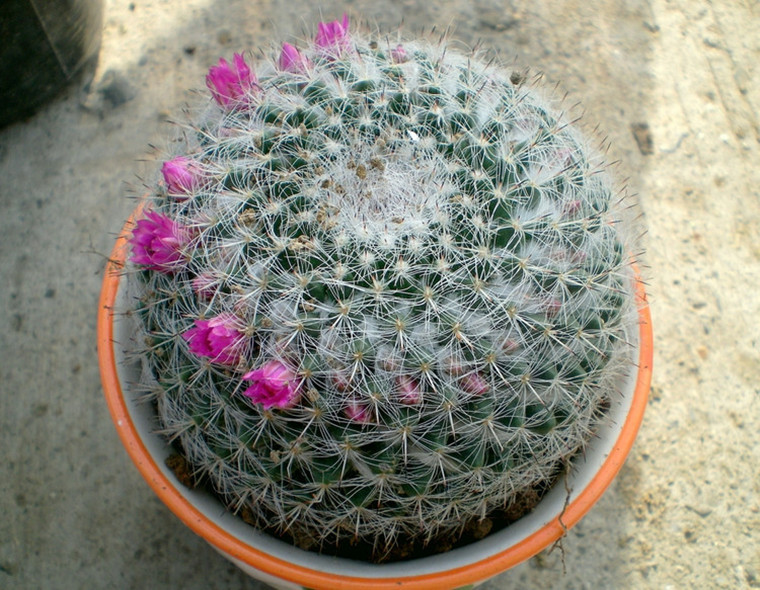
453 366
571 208
204 286
333 37
509 346
409 390
291 59
357 412
578 257
474 383
230 84
274 385
562 157
217 338
552 307
157 242
398 54
181 175
340 381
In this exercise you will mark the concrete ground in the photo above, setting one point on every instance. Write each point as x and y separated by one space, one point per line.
674 86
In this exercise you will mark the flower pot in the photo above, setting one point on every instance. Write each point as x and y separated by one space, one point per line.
284 566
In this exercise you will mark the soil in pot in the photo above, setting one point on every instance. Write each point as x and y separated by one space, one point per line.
472 530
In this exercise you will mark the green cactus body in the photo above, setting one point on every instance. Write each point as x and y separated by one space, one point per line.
434 251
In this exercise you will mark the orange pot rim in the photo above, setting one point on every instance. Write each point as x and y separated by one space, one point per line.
312 578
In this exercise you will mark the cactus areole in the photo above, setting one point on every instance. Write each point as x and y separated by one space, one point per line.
383 294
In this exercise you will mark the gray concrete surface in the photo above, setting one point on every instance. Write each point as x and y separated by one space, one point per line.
685 510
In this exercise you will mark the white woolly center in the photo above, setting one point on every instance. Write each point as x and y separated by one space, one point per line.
375 196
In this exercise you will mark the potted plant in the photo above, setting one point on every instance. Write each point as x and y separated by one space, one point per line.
379 323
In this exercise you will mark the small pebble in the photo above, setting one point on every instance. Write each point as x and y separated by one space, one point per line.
116 88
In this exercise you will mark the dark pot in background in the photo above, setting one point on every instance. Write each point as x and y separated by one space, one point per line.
45 43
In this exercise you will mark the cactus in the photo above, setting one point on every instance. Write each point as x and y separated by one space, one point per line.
384 292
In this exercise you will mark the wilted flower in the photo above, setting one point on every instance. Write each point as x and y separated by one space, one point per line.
274 385
217 338
333 37
181 174
157 242
229 84
291 59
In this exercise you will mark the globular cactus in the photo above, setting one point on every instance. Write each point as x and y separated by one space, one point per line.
384 292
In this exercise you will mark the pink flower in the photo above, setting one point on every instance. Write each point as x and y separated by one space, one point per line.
157 242
217 338
333 37
409 390
204 286
229 84
474 383
398 54
274 385
181 174
291 59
